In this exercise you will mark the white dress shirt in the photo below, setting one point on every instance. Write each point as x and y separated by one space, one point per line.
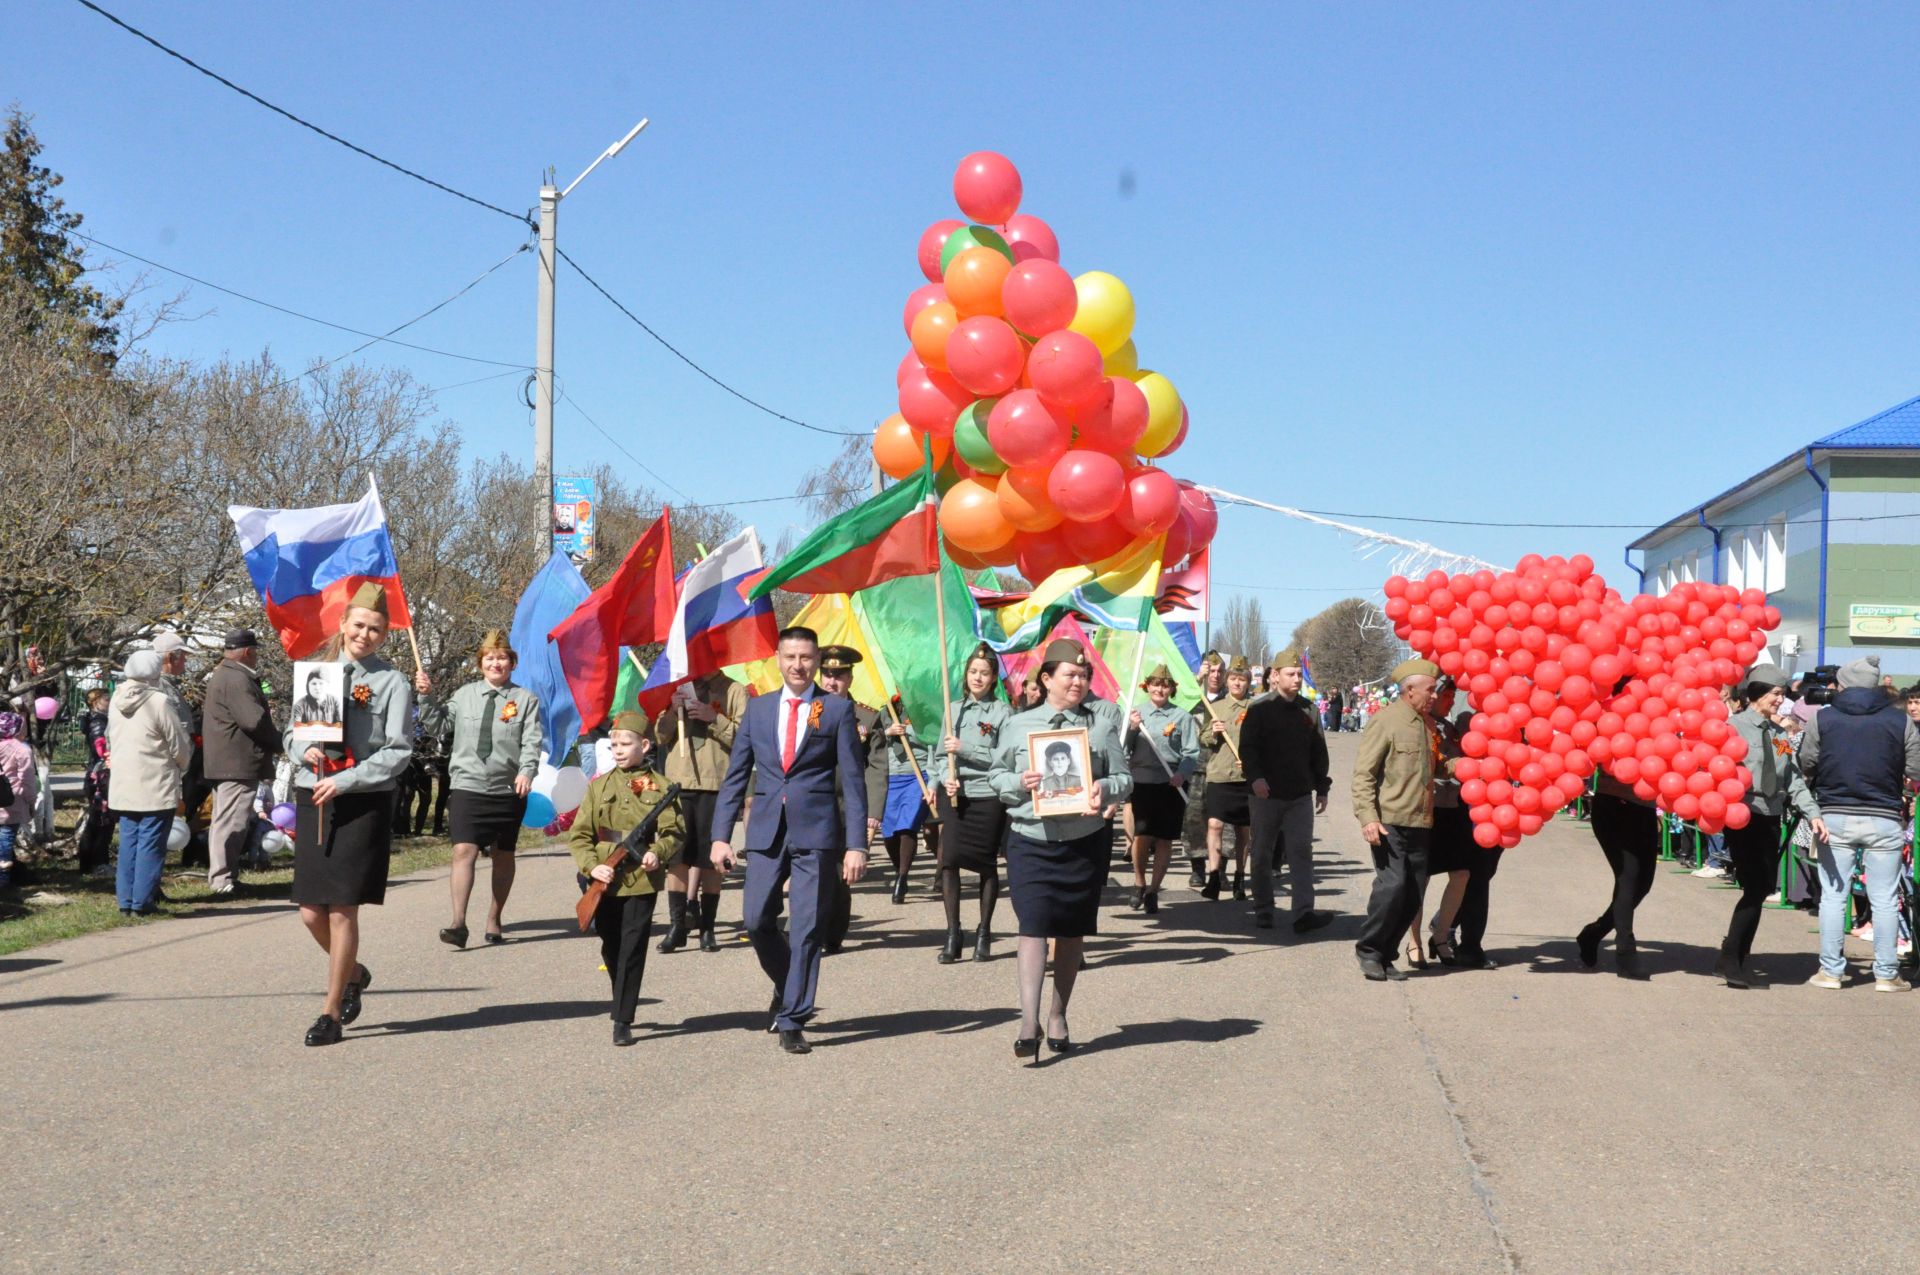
799 721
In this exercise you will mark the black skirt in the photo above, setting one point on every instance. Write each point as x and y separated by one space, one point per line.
696 816
485 819
347 866
1451 848
1158 811
972 831
1056 885
1227 802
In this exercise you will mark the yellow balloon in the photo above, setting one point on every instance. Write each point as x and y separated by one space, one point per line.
1163 413
1105 312
1124 361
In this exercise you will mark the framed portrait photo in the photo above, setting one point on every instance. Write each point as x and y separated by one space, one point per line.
318 698
1064 759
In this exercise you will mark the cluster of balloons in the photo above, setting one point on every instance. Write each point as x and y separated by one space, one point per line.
1566 676
1025 384
555 792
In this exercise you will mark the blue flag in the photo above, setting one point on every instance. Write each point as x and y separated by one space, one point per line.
554 593
1185 642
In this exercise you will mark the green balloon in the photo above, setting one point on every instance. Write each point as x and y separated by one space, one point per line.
945 477
972 237
970 438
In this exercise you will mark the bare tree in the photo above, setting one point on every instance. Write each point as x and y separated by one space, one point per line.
1241 629
1348 645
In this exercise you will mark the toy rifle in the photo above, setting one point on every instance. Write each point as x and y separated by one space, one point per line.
634 844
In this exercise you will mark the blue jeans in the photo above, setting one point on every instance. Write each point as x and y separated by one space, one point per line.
9 832
1717 856
1878 842
143 849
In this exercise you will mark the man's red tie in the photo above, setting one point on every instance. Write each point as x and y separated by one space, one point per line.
793 733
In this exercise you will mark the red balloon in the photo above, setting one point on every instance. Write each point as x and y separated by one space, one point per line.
919 299
910 365
1486 835
932 240
1041 553
1039 296
1065 368
1179 540
1179 437
1027 433
1199 507
932 402
1095 541
1116 420
987 188
1151 503
1086 486
1031 239
985 356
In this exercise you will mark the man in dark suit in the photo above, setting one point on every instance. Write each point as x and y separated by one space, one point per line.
800 750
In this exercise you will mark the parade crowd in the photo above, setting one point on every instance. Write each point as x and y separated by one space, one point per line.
1237 778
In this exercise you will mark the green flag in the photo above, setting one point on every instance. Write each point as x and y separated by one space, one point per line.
1118 647
899 617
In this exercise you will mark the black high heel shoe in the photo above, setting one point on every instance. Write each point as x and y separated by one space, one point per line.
1059 1045
1028 1047
454 936
951 952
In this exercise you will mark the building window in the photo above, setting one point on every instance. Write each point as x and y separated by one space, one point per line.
1776 557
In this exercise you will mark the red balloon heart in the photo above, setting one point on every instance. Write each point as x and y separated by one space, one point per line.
1566 677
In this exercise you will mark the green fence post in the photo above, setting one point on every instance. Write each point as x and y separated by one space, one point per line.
1788 856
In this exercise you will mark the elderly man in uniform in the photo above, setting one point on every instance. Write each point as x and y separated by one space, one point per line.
836 678
1393 781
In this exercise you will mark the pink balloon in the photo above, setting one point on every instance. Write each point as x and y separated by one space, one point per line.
1039 297
985 356
1200 508
923 296
1151 504
1086 486
987 188
1065 368
1031 239
46 708
1027 433
932 402
932 240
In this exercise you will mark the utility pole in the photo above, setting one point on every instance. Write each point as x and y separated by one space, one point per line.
550 197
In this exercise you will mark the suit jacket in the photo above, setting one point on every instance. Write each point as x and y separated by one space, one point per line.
821 801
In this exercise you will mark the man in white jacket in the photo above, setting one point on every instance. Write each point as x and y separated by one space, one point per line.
148 748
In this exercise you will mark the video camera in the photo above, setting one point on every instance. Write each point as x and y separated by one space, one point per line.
1818 685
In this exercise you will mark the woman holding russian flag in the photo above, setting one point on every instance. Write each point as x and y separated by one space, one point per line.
344 806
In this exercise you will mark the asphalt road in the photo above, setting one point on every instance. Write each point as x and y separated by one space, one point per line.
1238 1099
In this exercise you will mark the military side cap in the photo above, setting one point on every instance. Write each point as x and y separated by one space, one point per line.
1766 675
1289 658
1416 668
1063 651
838 659
369 597
1239 665
1160 673
633 719
1213 657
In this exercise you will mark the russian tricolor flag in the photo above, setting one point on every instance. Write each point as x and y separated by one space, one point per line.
715 624
307 563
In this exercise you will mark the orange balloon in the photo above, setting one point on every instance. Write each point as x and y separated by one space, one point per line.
1005 556
970 515
973 282
930 330
896 447
1024 502
961 558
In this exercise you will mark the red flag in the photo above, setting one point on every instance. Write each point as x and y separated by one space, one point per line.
634 608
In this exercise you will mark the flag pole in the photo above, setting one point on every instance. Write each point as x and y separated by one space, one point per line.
939 607
419 665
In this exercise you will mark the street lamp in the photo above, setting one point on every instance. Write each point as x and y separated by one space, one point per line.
550 198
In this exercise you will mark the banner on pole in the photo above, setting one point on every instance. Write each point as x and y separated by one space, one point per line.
1184 590
574 503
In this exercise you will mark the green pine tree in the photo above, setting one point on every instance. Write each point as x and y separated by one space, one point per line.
37 250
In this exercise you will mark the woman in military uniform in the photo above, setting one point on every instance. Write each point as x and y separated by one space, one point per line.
343 802
1056 865
1227 792
1193 829
905 816
496 751
974 818
1163 750
693 740
615 804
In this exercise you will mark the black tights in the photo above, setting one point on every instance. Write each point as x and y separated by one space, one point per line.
1629 835
950 896
1755 850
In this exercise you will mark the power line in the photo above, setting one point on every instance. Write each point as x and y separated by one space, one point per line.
439 389
1571 526
306 124
620 447
668 345
1296 588
325 323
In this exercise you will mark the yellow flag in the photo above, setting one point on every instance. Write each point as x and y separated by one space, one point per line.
831 616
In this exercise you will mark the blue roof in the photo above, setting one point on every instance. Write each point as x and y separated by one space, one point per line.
1898 426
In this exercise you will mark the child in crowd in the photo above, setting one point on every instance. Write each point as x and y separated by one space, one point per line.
616 801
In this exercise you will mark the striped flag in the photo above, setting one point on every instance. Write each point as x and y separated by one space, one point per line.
307 563
1116 593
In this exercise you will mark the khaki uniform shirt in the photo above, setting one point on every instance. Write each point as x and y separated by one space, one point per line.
709 744
1223 763
610 811
1393 776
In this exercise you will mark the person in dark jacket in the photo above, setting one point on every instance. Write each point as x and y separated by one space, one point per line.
239 744
1858 753
1286 762
96 834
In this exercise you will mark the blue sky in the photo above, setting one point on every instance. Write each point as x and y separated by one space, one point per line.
1494 262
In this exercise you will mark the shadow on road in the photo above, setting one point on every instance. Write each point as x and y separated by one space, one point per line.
15 964
914 1022
58 1002
495 1016
1177 1031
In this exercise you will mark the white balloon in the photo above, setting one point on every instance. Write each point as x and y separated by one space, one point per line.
543 780
569 789
178 835
274 842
